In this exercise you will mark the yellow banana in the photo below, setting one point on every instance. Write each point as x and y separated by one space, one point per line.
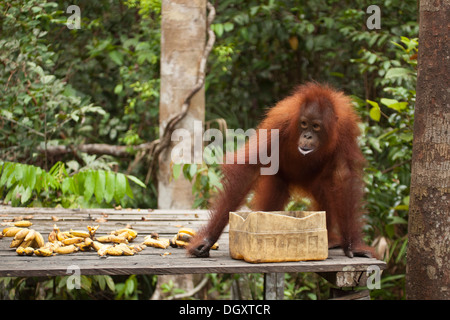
29 251
102 250
43 252
186 237
156 243
187 231
52 236
26 244
20 251
127 251
11 231
65 249
112 238
59 235
15 243
215 246
130 234
30 235
97 245
114 251
92 230
78 233
83 246
70 241
23 223
39 240
181 244
21 234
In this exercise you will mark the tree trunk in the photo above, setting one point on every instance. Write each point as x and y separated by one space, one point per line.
428 258
183 35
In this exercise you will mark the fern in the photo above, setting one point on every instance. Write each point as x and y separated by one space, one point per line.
23 184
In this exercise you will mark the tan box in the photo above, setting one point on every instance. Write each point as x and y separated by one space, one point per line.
278 236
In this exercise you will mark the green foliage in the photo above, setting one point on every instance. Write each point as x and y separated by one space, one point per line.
100 84
30 185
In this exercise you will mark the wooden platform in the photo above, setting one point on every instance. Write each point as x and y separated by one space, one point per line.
344 271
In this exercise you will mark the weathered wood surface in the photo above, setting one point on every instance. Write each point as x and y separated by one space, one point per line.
150 260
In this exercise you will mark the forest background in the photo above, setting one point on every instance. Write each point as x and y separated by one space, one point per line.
100 85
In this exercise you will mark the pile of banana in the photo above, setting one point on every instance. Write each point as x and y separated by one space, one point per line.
28 241
180 240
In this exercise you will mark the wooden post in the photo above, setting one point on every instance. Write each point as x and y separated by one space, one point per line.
183 35
273 286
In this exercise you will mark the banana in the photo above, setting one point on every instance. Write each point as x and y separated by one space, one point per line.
215 246
156 243
29 251
102 250
92 231
21 234
78 233
20 251
30 235
187 231
186 237
88 241
114 251
130 234
70 241
127 251
11 231
15 243
59 235
23 223
52 236
39 239
97 245
65 249
181 244
112 238
83 246
26 244
43 252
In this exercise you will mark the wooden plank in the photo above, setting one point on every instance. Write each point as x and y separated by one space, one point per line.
150 260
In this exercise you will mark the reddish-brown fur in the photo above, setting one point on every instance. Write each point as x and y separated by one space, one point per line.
332 176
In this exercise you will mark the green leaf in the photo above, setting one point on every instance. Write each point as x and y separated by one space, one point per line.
117 57
99 190
120 187
137 181
65 186
375 113
394 104
26 195
118 89
89 185
397 73
110 283
110 181
128 190
176 170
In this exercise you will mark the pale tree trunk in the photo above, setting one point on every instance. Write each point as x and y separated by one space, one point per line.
428 257
183 35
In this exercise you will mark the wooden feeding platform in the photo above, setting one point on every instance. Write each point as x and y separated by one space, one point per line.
337 268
